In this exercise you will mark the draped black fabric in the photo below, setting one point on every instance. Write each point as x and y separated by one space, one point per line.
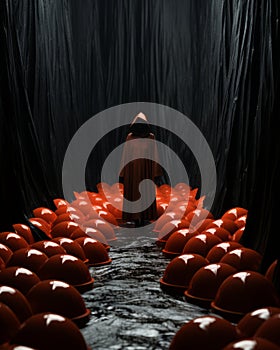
261 231
216 61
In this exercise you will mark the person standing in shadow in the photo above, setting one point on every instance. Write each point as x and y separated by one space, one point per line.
140 162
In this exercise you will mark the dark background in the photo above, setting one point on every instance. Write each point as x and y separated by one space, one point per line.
216 61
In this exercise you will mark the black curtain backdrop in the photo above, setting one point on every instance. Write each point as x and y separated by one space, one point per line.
216 61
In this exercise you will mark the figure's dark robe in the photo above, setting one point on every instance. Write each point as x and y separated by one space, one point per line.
137 170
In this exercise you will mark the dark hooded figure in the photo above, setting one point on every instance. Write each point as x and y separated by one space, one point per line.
140 162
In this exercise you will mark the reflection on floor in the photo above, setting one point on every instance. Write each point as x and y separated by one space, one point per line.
129 309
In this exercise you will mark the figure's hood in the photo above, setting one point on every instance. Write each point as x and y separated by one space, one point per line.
140 126
140 118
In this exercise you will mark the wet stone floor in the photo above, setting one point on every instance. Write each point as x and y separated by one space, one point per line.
129 310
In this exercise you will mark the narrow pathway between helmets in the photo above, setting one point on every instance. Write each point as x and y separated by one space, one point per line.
129 309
